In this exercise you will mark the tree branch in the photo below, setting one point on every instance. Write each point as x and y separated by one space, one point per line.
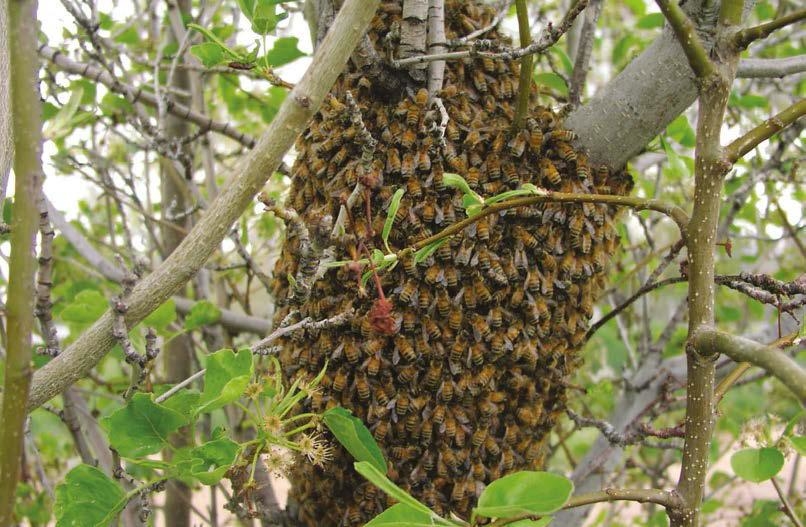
771 68
134 95
768 358
745 37
232 320
687 36
744 144
660 497
258 165
677 214
27 130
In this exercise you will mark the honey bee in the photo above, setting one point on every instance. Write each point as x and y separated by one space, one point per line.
409 323
549 171
433 374
574 229
485 376
507 459
409 265
426 433
583 169
453 132
438 417
493 166
507 88
479 81
444 253
362 386
381 431
482 292
529 417
510 173
472 139
585 243
455 318
424 298
404 453
351 351
412 421
432 274
488 64
517 297
602 175
562 135
455 161
458 349
408 374
565 152
525 237
381 396
421 98
451 276
339 380
402 404
407 166
477 353
405 349
414 188
460 439
478 437
393 164
483 229
491 446
473 177
423 160
438 176
469 297
407 138
353 515
443 303
458 492
449 428
446 391
517 145
408 291
432 329
451 90
533 453
373 365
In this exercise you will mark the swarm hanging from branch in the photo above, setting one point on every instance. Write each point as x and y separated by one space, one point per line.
467 383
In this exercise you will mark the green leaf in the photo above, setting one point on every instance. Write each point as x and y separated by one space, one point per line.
86 307
209 54
265 17
553 81
113 104
162 316
799 444
568 66
525 492
354 437
623 47
456 181
402 515
87 497
226 378
676 168
142 426
757 464
638 7
285 50
377 478
61 124
394 205
128 36
423 254
202 314
680 130
212 459
651 21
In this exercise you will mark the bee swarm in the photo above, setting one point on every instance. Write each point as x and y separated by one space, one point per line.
488 328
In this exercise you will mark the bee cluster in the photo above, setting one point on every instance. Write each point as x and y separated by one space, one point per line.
469 385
